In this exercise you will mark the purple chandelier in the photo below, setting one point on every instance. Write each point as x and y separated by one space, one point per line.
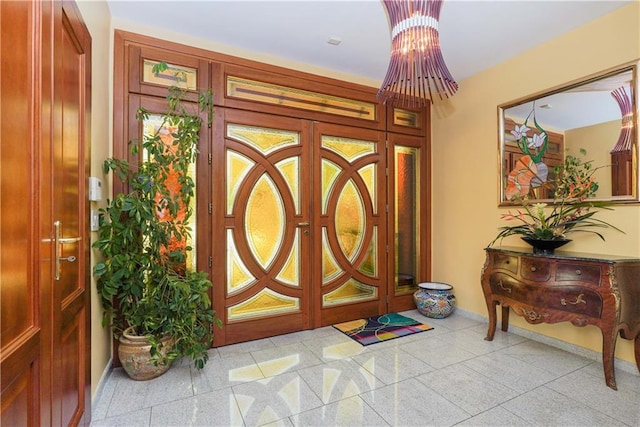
625 140
416 70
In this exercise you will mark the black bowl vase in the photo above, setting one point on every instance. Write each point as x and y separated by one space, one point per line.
545 247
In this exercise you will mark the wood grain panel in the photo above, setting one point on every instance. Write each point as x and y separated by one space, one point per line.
17 108
70 352
17 401
20 340
44 94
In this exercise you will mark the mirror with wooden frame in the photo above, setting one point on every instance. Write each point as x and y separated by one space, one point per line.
596 115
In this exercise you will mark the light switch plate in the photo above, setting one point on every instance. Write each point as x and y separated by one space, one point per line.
95 220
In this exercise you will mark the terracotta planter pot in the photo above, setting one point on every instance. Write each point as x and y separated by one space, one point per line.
135 356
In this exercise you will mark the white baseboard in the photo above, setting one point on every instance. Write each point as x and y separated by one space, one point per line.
103 379
563 345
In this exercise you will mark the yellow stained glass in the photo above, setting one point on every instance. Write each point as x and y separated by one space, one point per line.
262 139
406 118
330 172
350 220
407 218
264 221
290 170
238 166
265 303
174 75
290 97
290 274
330 267
368 174
350 149
369 265
350 291
238 275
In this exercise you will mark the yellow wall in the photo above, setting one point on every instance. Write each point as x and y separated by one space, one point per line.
591 139
465 136
465 162
97 17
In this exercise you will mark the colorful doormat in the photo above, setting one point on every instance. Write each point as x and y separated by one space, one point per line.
381 328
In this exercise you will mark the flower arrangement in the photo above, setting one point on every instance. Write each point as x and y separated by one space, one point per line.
571 210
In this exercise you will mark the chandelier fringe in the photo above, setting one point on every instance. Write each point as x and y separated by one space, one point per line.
417 71
625 140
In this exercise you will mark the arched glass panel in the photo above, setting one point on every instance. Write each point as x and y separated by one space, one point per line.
350 220
264 221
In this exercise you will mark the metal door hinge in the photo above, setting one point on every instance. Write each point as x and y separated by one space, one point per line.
210 261
210 208
210 157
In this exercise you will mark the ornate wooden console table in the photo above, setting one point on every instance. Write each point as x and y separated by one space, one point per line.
584 289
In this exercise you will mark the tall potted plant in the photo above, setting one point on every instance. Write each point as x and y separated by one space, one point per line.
148 291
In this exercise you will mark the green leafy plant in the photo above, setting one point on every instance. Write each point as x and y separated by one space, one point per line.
571 210
144 281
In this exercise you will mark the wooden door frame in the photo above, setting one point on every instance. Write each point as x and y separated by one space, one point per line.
131 48
67 14
275 324
402 302
328 316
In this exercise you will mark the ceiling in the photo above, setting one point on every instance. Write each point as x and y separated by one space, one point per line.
474 34
583 105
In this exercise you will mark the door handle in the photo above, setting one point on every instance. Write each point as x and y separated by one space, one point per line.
58 242
303 224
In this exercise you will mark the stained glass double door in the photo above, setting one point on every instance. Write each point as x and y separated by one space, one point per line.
300 225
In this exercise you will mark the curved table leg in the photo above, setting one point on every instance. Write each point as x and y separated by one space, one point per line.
637 351
491 307
505 318
609 337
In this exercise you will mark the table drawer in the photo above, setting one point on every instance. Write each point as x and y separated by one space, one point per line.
578 272
536 269
571 299
507 286
505 262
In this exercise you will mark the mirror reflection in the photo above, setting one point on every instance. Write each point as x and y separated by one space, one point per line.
593 116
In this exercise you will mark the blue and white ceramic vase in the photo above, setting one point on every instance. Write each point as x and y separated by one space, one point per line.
435 300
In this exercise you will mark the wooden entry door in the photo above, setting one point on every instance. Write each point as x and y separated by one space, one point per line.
349 215
45 249
302 225
70 306
262 278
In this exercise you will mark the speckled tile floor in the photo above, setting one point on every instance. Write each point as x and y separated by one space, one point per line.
443 377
